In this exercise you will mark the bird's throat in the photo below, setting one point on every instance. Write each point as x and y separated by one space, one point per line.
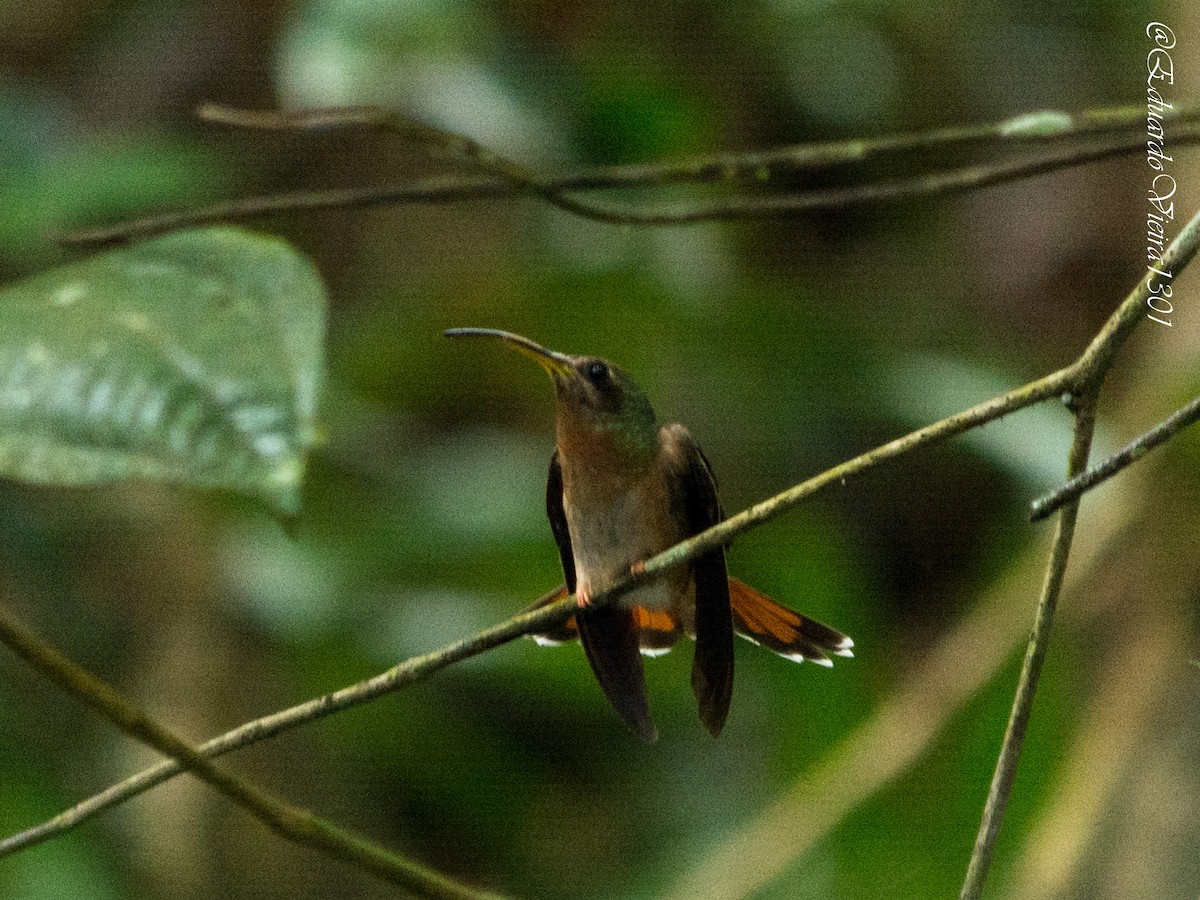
601 462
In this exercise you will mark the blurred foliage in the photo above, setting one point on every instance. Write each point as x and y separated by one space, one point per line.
194 358
786 346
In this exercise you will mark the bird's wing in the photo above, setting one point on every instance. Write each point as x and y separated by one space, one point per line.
558 524
558 521
610 639
694 495
609 634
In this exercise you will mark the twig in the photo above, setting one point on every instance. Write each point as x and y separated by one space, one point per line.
546 617
518 177
1031 668
293 823
1041 134
1135 450
1091 369
268 726
1037 128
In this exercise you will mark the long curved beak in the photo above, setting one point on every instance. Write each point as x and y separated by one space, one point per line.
553 362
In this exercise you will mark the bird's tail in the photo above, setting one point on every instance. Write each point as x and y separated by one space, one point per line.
756 617
793 636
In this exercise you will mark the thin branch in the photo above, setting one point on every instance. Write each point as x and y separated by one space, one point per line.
548 616
1036 129
1040 136
1031 669
934 184
1100 353
1091 370
268 726
295 824
519 178
446 189
1044 127
1136 681
1131 453
327 118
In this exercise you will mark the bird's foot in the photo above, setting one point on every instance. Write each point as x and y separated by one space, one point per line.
638 568
583 596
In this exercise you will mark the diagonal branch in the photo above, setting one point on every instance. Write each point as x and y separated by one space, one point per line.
268 726
1044 141
295 824
1093 367
546 617
1031 669
459 147
1126 456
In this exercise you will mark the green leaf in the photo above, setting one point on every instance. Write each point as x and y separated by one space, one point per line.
194 358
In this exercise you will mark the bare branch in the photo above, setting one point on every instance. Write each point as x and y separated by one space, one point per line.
1043 140
456 146
295 824
1044 127
1031 669
269 726
548 616
1126 456
1107 754
1091 369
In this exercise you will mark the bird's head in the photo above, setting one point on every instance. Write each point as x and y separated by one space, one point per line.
594 398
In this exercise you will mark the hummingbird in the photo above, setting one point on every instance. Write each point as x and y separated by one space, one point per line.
621 489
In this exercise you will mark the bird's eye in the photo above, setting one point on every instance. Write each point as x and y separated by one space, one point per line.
597 372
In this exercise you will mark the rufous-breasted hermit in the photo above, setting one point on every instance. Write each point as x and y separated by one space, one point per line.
621 490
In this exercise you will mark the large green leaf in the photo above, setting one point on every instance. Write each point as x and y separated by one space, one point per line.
194 358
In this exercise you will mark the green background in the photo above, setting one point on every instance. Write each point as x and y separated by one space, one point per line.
786 346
